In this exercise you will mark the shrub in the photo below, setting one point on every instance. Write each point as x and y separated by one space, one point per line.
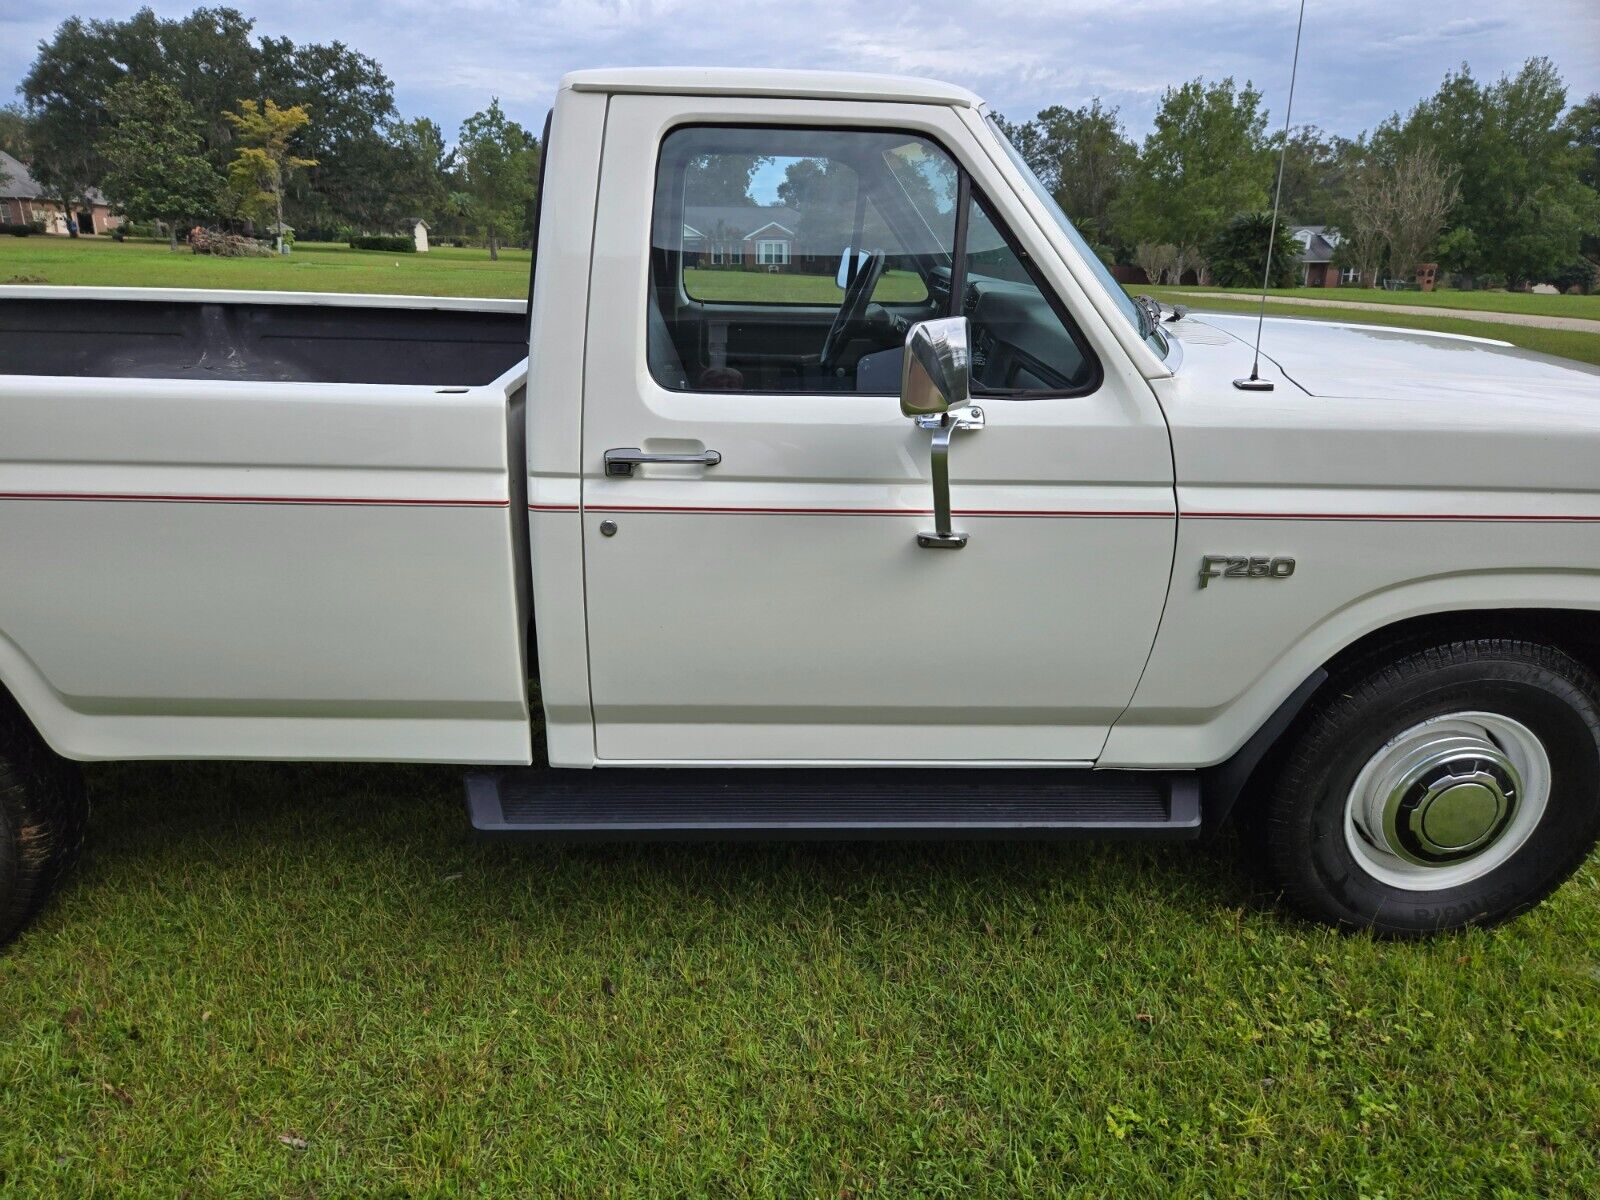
14 229
393 242
1580 275
1238 252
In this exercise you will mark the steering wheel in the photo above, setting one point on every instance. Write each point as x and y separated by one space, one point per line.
854 305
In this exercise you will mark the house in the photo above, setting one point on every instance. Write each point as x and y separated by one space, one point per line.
753 237
1318 246
417 230
24 202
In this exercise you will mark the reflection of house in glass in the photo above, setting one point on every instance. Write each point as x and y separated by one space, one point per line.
754 237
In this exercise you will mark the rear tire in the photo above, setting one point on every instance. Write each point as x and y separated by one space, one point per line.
1455 785
44 813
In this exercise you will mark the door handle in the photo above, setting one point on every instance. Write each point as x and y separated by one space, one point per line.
621 462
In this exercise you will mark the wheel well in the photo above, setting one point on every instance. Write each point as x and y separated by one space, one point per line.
1575 631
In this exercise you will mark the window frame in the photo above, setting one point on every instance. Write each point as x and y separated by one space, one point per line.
968 193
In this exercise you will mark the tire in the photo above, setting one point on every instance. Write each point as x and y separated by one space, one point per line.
44 814
1452 785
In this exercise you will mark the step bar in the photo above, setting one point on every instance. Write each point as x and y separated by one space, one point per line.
703 804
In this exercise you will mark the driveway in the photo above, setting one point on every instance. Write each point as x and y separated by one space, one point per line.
1576 324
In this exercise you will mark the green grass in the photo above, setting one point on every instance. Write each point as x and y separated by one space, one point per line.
447 271
1585 307
1585 347
761 287
253 953
313 267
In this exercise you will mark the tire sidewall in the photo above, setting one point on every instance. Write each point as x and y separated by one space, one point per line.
1560 714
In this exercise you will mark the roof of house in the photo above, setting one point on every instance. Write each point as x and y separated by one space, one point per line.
746 81
18 183
1317 243
737 220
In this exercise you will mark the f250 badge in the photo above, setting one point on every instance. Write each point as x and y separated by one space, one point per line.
1229 566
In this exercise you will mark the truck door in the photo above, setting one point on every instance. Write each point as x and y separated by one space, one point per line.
755 587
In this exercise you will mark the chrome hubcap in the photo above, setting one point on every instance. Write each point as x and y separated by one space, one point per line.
1447 801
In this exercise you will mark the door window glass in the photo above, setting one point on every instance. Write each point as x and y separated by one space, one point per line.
794 260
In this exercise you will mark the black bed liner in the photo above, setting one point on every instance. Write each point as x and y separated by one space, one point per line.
267 342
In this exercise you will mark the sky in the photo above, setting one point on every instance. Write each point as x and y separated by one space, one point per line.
1360 61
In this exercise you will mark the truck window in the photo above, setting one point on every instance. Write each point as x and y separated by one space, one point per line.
1023 342
794 260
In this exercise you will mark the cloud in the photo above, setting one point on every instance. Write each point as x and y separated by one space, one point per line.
1361 60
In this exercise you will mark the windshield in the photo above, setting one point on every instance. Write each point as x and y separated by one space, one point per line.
1130 309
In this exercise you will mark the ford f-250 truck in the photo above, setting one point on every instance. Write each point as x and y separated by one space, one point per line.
827 486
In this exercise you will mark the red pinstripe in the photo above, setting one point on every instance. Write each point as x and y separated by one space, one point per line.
174 498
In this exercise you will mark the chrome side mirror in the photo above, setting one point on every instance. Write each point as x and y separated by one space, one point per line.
936 372
936 393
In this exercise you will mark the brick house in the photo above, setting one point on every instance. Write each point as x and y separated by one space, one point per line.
753 238
23 202
1318 246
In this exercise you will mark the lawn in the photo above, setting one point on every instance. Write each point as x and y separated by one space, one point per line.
1565 342
309 981
1585 307
762 287
448 271
313 267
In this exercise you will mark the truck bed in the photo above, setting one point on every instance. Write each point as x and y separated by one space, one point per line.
290 337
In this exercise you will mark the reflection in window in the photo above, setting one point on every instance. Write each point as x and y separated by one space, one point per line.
751 227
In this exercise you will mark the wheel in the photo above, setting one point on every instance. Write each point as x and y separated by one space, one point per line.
1455 785
44 813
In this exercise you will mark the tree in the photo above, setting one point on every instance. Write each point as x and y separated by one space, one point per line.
212 58
156 167
1237 254
1521 190
264 162
352 181
1394 212
721 179
206 56
1362 218
823 191
1082 156
500 166
423 166
1421 193
14 132
1205 161
1315 170
1155 259
1583 129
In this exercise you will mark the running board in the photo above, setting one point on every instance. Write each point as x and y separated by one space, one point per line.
658 804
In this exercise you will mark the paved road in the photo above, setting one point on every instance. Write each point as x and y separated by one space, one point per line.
1576 324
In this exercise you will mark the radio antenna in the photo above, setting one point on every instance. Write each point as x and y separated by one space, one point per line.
1255 383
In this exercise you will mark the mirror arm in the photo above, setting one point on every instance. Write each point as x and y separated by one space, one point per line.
944 425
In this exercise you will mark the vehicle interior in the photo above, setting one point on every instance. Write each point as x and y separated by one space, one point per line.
880 229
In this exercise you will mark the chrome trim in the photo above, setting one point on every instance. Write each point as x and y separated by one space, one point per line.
936 393
621 462
1447 801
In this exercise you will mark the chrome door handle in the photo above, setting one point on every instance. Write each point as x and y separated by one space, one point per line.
621 462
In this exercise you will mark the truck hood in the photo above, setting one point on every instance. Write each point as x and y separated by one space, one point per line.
1379 362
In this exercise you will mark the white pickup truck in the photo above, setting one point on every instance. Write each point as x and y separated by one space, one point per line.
828 486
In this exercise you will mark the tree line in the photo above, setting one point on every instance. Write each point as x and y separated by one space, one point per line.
1496 182
197 120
